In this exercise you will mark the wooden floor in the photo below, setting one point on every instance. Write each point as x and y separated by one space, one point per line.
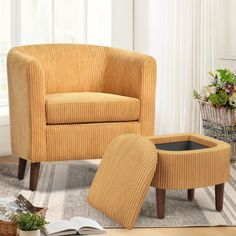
199 231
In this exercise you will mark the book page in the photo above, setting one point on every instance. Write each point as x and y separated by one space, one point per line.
60 226
82 222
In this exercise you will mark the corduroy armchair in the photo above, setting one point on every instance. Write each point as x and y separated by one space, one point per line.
68 101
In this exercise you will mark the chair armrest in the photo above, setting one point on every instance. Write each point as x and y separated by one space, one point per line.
134 75
26 87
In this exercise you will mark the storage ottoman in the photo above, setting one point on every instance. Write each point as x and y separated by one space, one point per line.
189 161
132 163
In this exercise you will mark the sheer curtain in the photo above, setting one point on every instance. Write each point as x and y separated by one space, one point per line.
180 35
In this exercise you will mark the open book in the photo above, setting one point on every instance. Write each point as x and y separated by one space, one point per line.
76 225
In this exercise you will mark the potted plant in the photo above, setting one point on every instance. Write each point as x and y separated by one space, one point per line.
218 107
29 224
221 92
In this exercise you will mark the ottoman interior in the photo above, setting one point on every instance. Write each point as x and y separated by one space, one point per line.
180 146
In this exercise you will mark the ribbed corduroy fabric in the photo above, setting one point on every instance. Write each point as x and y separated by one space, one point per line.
69 67
37 72
84 141
191 169
89 107
123 177
139 72
26 86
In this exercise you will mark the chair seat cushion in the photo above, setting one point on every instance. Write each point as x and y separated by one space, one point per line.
88 107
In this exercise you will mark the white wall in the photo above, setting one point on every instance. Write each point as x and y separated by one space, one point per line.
122 24
142 30
5 148
99 22
225 36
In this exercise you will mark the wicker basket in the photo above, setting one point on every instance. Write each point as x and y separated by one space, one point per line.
220 124
9 228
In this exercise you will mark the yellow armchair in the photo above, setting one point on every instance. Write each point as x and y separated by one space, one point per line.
68 101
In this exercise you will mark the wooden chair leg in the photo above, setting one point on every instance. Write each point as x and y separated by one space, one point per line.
219 196
21 168
34 174
160 200
190 194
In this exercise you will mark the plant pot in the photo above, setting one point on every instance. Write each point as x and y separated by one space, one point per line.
30 233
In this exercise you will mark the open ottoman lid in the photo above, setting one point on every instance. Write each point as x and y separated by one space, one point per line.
123 177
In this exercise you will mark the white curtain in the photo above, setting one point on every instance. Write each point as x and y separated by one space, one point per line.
72 21
180 35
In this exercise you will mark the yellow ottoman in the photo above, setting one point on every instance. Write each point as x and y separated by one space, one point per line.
123 178
189 161
132 163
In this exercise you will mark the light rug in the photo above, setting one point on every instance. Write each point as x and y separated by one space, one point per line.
63 188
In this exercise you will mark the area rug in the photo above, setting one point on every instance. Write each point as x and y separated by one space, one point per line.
63 188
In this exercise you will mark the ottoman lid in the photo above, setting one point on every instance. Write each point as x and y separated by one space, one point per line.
123 177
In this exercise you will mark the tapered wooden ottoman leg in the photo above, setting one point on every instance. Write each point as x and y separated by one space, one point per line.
219 196
21 168
34 174
161 201
190 194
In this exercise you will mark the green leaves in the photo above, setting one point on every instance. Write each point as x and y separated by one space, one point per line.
226 76
196 95
221 92
212 74
219 99
29 221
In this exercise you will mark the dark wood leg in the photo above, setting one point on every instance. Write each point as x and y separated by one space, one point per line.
34 174
191 194
219 196
21 168
161 201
